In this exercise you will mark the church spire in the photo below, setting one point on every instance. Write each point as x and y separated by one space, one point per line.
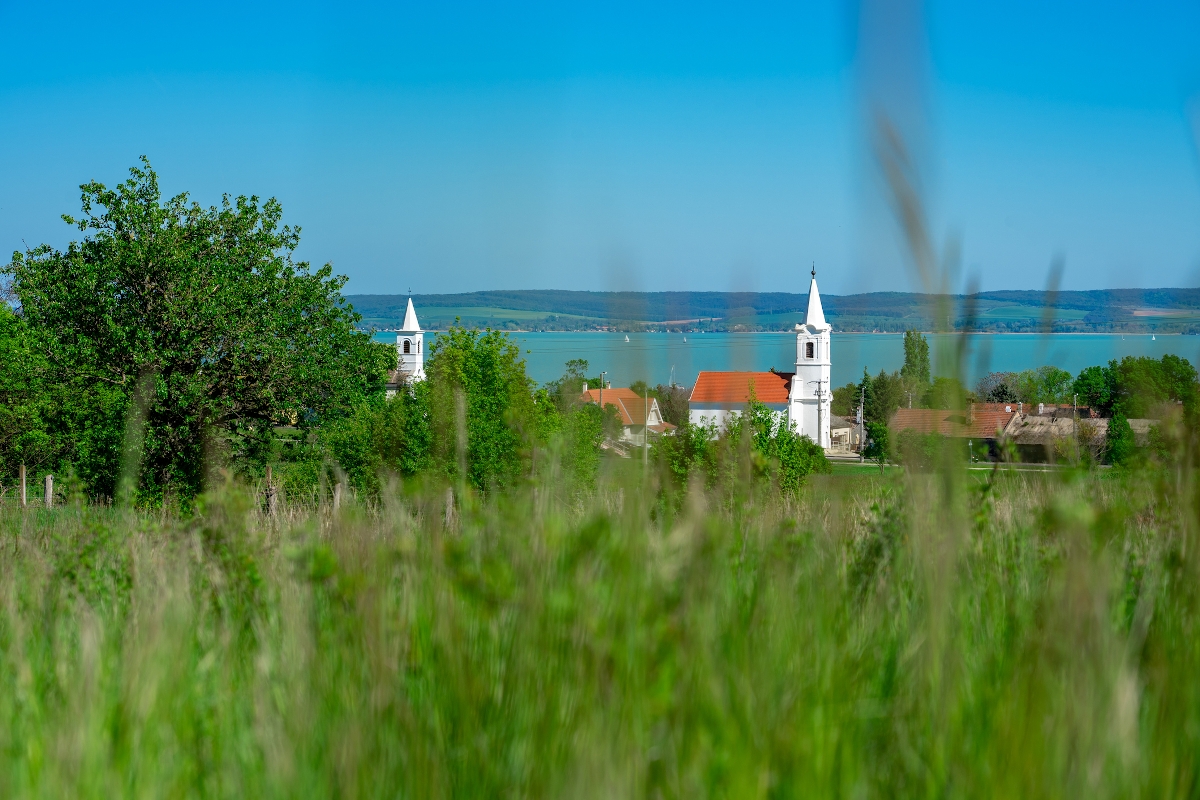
815 314
410 319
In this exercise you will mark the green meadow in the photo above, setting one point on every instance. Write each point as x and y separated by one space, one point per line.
910 634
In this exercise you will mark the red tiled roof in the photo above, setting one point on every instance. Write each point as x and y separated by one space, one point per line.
629 403
734 387
1048 409
973 423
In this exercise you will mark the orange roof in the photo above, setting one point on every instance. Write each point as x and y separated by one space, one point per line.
734 387
973 423
629 403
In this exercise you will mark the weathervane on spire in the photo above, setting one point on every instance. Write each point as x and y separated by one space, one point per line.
814 271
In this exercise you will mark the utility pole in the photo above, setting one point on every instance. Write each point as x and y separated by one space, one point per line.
24 497
1075 419
646 433
862 402
602 374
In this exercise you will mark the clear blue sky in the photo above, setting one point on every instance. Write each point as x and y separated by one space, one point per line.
617 146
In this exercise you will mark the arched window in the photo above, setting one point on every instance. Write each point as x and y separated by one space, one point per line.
406 346
808 349
418 345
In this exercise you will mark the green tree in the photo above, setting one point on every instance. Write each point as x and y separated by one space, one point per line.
1120 445
565 392
945 393
885 393
1135 386
24 437
569 426
383 436
481 406
997 387
786 456
1095 388
641 389
207 304
1046 384
691 447
916 358
845 400
673 403
878 447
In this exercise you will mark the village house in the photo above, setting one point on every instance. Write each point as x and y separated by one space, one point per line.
637 417
1045 438
981 424
845 435
1049 433
718 395
1037 434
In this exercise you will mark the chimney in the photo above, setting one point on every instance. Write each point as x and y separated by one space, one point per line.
585 386
1020 407
1041 408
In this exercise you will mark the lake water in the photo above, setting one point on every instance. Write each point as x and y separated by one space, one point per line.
653 356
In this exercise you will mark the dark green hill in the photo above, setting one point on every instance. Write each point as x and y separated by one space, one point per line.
1164 310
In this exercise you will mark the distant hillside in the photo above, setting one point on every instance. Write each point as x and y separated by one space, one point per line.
1132 310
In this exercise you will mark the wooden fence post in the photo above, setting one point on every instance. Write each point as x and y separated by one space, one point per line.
49 491
23 495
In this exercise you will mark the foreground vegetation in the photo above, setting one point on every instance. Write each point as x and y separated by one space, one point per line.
1024 635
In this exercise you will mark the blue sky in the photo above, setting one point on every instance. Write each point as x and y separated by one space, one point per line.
615 146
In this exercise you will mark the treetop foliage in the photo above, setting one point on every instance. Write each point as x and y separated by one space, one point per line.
205 303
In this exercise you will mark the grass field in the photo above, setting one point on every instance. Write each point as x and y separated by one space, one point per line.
1019 635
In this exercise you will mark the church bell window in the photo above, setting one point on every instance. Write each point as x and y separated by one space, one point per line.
406 348
808 350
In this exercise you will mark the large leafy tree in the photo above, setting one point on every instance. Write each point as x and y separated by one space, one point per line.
1136 386
205 308
482 409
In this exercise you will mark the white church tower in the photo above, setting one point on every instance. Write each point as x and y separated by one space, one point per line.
410 346
811 395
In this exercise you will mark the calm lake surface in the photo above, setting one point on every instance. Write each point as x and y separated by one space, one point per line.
652 356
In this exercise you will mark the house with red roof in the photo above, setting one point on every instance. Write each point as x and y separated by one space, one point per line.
717 395
638 417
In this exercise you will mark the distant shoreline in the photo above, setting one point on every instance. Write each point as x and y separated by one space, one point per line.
1128 311
835 332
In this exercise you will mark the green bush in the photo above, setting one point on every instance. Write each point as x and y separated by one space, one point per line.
1120 445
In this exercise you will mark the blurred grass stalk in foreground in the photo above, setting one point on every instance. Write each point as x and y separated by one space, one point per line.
1031 634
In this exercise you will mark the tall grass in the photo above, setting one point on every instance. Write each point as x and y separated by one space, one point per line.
904 635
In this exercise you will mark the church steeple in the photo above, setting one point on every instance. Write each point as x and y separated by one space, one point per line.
410 319
410 346
810 396
815 315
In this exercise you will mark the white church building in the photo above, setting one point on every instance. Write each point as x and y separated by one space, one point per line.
410 352
803 397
